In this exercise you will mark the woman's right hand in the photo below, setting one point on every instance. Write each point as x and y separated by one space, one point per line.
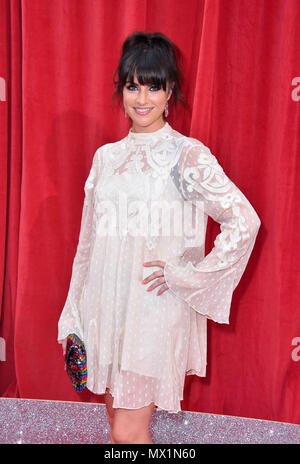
64 345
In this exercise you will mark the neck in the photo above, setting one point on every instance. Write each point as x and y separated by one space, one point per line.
152 128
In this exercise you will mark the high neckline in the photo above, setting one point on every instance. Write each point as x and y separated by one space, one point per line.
140 137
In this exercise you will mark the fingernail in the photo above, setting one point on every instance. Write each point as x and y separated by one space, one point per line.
143 282
64 353
148 289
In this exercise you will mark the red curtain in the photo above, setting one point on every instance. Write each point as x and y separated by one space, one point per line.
241 58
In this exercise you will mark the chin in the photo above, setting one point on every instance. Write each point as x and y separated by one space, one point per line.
144 122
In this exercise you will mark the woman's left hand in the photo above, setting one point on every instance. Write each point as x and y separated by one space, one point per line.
159 275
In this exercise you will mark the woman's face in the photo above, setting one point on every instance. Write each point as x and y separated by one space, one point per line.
145 105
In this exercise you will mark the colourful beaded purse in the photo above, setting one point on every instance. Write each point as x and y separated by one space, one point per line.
75 362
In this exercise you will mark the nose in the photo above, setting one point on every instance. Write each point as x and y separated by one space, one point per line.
142 97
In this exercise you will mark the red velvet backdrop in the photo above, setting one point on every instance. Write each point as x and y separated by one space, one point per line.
240 58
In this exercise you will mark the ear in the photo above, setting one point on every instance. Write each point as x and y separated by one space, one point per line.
171 86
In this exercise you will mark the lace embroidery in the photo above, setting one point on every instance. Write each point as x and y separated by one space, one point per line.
133 173
207 181
211 175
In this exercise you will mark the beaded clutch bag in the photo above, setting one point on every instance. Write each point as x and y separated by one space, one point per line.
75 362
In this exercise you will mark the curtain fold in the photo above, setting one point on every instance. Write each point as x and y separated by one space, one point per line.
57 60
11 179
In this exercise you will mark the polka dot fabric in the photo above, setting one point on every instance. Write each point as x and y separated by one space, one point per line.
139 344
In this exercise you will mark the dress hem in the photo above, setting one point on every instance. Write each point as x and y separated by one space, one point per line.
157 406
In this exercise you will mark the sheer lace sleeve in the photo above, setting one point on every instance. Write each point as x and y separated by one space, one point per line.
207 286
70 318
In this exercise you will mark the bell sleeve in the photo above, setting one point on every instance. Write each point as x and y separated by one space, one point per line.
70 318
207 284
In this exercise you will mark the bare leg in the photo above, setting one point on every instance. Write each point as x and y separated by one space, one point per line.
110 411
132 425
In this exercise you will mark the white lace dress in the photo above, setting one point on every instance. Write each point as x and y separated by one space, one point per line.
138 344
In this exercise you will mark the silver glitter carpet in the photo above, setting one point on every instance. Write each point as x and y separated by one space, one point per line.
58 422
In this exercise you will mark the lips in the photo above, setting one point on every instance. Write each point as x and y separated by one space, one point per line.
142 111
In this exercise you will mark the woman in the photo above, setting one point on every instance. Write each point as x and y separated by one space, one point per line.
141 344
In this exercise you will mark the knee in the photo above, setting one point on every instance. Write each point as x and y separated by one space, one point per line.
124 434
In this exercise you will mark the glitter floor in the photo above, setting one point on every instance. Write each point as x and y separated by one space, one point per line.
54 422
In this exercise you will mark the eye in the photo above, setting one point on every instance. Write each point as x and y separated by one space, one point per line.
131 87
155 88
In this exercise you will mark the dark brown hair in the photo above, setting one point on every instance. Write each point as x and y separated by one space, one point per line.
156 61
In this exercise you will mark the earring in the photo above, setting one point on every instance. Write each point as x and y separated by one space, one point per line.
166 110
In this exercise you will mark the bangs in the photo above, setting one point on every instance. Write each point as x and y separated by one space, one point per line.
149 67
154 60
